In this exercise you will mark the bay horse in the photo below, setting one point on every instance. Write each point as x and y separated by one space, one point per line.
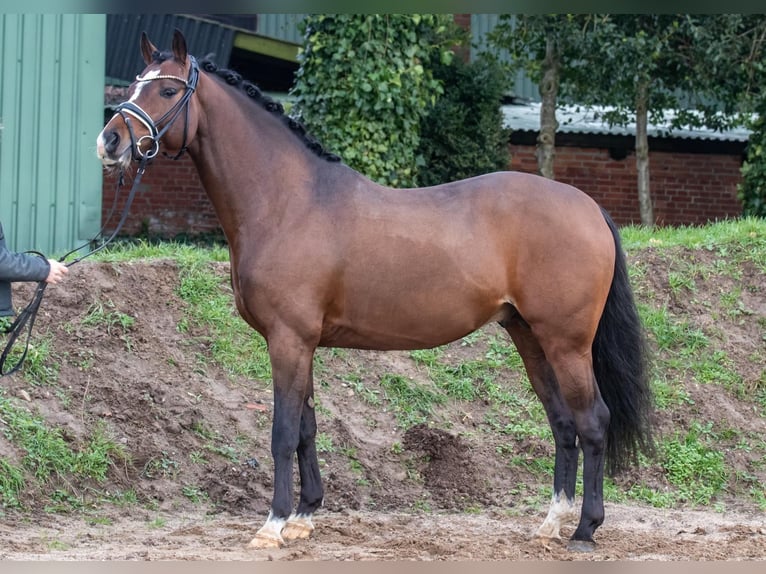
323 256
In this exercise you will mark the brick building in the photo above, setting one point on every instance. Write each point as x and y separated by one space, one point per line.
693 174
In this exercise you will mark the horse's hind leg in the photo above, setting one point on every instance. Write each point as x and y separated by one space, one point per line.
561 419
577 383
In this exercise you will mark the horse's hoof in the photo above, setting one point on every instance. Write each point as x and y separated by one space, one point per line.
261 541
581 546
295 530
546 533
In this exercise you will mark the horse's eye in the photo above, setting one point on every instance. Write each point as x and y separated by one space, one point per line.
168 92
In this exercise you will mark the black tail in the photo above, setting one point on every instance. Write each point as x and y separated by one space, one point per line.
621 366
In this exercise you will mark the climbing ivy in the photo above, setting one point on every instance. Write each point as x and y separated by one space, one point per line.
365 82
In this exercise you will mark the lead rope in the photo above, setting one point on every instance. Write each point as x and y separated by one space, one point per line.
26 318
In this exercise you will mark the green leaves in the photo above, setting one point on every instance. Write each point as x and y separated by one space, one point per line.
463 133
752 190
365 83
710 68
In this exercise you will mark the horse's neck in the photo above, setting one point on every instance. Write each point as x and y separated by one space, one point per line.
251 167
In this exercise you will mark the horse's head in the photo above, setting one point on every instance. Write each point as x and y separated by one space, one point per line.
160 108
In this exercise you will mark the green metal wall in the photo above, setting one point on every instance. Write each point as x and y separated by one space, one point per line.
51 110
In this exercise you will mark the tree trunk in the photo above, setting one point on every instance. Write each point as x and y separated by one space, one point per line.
549 89
642 154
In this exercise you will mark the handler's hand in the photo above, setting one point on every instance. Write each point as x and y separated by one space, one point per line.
57 272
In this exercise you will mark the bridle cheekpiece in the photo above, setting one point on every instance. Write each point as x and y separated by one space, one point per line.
130 109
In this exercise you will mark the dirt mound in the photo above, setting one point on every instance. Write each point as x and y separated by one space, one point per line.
450 472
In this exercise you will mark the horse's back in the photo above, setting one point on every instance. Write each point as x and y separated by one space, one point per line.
421 267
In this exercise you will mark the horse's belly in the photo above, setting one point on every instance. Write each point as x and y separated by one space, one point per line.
353 338
408 327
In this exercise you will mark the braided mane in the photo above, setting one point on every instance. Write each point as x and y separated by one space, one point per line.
270 104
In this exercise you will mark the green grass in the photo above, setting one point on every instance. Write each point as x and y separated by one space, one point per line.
40 367
233 343
121 498
694 458
12 483
696 469
412 403
680 282
670 333
46 451
324 443
105 314
214 442
368 394
748 231
161 466
99 454
354 464
669 392
120 252
157 523
48 459
470 380
195 494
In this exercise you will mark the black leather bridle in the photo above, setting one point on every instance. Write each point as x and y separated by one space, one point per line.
130 109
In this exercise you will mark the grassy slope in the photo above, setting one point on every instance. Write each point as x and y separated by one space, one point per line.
694 286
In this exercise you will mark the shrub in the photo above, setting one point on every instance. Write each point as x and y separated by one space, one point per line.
752 190
364 83
463 133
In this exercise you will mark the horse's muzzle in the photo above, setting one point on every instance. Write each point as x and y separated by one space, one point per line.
108 149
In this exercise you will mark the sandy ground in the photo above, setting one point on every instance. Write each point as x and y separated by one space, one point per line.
632 534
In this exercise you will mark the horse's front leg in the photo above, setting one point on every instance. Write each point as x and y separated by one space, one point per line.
291 361
299 525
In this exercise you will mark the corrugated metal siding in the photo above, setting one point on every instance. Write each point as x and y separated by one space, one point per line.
51 108
123 34
281 26
481 24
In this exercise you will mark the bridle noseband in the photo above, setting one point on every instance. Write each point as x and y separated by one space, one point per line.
128 108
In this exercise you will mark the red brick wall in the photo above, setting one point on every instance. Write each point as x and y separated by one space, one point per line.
686 188
169 201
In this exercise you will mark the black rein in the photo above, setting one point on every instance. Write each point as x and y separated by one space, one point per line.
26 318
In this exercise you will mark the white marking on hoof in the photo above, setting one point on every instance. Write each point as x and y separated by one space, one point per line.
270 534
298 526
561 510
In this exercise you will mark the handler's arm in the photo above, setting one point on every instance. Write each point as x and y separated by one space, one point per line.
22 266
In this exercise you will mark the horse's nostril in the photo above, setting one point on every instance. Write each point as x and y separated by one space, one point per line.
112 141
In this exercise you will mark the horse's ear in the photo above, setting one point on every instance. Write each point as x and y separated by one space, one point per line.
147 48
179 47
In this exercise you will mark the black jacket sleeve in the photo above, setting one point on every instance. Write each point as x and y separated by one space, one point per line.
21 266
17 267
